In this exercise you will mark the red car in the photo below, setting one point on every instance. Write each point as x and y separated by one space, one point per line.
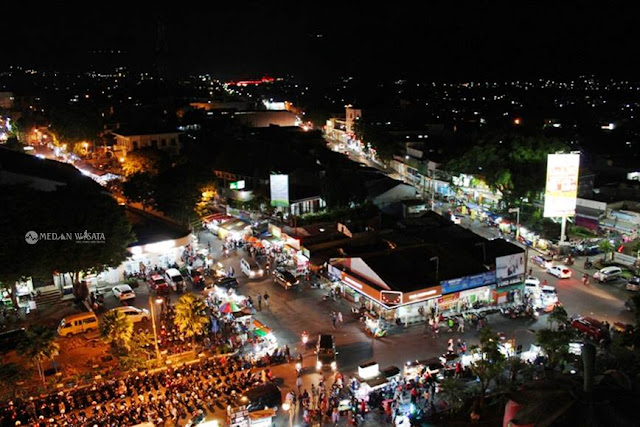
589 326
158 284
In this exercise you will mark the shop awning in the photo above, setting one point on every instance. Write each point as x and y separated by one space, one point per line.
261 328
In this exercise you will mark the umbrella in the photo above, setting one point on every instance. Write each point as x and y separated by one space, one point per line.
229 307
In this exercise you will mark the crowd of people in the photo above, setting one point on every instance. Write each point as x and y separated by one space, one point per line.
167 398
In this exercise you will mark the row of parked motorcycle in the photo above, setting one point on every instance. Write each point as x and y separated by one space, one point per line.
520 311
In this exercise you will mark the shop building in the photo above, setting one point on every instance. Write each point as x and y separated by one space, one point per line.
159 242
428 265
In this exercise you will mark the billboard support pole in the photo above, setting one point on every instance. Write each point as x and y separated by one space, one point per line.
563 229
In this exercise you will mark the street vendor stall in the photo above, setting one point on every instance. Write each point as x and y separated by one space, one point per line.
373 325
264 342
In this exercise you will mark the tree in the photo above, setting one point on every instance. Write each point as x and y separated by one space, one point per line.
191 318
141 350
73 209
139 188
75 123
146 160
178 191
606 247
512 164
558 316
453 391
490 363
555 344
39 345
117 330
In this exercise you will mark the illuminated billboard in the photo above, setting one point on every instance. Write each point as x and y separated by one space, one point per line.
562 185
279 190
510 269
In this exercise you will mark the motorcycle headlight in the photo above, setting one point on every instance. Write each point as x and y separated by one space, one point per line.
318 365
334 365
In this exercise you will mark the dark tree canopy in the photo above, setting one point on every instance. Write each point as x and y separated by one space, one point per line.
67 210
513 164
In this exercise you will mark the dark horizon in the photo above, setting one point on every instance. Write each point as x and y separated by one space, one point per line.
483 42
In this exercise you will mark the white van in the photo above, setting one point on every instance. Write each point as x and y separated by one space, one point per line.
78 323
175 279
251 268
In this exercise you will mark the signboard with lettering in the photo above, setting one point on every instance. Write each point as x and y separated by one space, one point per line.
237 185
468 282
562 185
390 298
422 295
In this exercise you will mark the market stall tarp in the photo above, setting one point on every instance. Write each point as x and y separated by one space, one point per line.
229 307
260 328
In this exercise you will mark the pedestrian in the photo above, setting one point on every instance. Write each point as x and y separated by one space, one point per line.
299 383
530 271
461 325
266 299
335 416
260 302
450 346
334 319
340 318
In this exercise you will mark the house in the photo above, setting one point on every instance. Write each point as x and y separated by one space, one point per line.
128 140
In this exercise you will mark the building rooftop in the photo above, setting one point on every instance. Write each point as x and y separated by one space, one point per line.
149 228
52 170
136 131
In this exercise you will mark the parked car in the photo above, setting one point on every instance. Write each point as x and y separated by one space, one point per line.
227 282
589 326
532 285
284 278
251 268
607 274
560 271
135 314
78 323
262 396
123 292
542 261
633 284
326 353
158 284
548 295
175 280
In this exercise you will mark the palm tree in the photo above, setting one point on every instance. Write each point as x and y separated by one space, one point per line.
117 330
606 246
39 345
191 318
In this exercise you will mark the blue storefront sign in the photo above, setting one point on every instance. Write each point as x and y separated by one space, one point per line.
468 282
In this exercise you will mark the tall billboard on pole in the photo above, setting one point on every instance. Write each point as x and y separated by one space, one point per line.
562 185
279 190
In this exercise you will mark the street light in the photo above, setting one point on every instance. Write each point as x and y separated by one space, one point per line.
152 304
437 260
287 408
517 210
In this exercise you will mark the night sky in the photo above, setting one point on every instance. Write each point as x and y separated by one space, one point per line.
465 40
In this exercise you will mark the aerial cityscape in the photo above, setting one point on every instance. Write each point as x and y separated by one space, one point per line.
283 215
